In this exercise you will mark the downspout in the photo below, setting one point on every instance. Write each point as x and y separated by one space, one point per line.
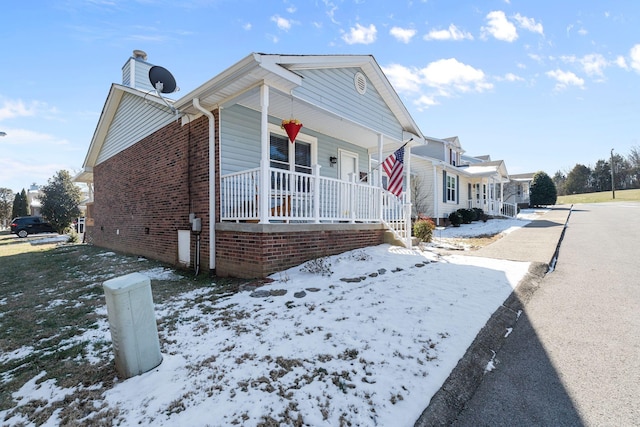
212 184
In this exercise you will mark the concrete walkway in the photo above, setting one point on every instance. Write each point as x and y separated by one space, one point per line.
537 243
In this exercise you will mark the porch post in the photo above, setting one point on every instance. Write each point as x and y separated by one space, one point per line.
265 179
380 195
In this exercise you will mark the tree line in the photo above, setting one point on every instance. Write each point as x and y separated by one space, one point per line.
586 179
59 202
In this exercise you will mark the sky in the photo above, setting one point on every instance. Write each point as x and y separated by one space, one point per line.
543 85
365 353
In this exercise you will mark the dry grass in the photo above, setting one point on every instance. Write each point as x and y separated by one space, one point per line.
51 298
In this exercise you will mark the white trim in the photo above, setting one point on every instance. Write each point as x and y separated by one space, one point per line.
302 137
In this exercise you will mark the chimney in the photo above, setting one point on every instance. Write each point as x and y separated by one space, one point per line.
135 72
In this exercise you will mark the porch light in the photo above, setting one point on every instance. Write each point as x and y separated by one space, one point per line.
333 160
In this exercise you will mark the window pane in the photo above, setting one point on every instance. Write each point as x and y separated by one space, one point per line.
303 157
279 152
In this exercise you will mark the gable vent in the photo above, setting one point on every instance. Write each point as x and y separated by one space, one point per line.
361 83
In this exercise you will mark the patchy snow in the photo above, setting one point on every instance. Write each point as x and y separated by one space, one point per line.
311 348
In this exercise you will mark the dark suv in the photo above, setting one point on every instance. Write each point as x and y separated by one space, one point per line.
25 225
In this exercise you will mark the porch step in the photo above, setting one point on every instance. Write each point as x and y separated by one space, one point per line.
391 239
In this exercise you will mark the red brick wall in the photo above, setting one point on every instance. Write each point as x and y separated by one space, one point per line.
145 193
250 254
143 196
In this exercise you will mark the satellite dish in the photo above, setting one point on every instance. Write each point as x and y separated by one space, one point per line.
162 80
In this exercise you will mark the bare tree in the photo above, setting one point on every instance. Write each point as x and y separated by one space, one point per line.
421 197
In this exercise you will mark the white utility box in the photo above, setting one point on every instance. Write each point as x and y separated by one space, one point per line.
132 322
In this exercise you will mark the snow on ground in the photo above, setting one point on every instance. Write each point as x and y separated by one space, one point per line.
371 350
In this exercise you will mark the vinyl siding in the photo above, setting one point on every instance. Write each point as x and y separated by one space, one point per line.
240 143
334 89
133 121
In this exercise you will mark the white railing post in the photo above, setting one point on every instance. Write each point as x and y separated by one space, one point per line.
352 197
316 193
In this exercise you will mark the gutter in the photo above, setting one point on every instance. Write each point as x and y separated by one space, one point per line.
212 184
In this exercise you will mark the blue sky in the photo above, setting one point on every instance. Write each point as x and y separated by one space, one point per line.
542 84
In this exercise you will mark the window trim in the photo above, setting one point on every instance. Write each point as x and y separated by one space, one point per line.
312 140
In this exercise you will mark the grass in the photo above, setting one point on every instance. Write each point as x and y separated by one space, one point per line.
51 298
604 196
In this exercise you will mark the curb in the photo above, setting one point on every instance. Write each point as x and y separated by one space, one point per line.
466 377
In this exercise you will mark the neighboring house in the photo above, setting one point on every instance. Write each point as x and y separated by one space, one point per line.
445 180
218 162
518 189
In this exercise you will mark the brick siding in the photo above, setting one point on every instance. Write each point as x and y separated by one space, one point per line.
144 194
257 251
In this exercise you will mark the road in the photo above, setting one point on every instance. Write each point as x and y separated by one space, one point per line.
573 358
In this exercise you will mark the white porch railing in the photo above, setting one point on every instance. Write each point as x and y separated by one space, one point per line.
495 207
302 197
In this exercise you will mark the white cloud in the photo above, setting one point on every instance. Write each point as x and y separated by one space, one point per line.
425 102
17 108
452 33
402 78
447 74
403 34
510 77
622 62
635 57
331 10
442 78
565 79
360 35
13 108
594 64
282 23
529 24
535 57
247 26
32 138
499 27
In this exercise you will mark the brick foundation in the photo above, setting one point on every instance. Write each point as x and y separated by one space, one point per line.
256 250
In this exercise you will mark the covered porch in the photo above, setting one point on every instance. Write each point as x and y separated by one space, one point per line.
487 193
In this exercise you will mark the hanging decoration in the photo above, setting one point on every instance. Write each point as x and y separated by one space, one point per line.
292 127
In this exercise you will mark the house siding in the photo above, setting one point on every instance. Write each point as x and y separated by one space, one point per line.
433 149
144 194
334 90
133 121
240 143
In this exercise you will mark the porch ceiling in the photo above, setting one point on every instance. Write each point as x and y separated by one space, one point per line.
284 106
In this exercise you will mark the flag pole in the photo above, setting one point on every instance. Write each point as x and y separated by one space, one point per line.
382 161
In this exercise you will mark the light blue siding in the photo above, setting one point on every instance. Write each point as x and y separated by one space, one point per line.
240 143
334 89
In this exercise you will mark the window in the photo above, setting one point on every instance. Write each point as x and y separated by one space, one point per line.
279 152
451 188
282 153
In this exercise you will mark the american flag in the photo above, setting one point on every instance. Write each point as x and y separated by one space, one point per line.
394 168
